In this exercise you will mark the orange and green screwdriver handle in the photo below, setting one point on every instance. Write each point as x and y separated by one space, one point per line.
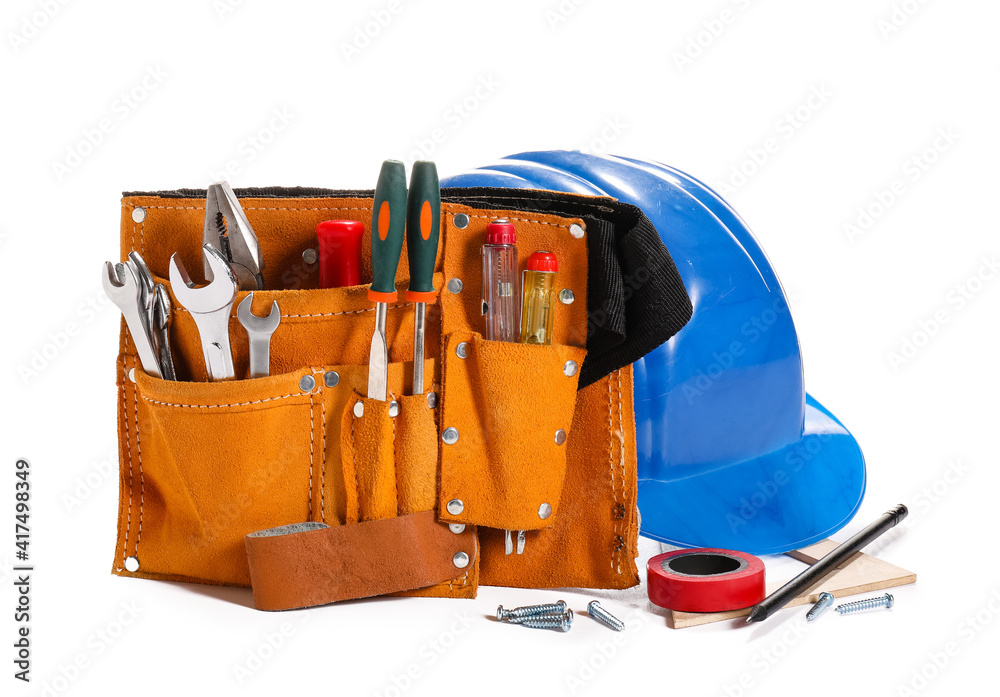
388 222
423 228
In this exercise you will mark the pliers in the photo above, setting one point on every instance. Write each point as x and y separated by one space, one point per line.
228 230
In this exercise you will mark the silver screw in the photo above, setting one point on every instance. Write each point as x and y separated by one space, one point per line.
576 230
132 564
432 399
455 285
359 409
825 601
138 214
461 221
566 296
455 506
462 350
393 409
307 383
450 435
560 622
519 613
310 256
460 560
331 378
544 511
595 610
560 437
868 604
569 368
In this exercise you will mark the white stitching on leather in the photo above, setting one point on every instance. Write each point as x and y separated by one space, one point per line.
221 406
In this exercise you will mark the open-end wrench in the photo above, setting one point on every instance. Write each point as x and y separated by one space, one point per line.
209 306
122 285
259 329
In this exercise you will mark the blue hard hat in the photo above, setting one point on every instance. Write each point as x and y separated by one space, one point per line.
732 451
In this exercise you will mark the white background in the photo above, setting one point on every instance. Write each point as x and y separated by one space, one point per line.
597 75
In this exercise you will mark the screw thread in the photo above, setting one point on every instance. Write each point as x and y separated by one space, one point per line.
521 613
867 604
562 622
602 615
825 601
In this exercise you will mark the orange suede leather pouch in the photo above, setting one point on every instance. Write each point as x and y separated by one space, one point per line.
203 464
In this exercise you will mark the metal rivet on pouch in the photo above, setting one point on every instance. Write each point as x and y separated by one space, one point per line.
455 506
393 409
450 435
138 214
462 350
331 378
307 383
455 285
310 256
131 375
566 296
461 221
132 564
359 409
560 437
460 560
544 511
457 528
569 368
432 399
576 230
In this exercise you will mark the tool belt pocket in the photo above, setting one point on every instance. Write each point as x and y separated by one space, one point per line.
507 417
206 462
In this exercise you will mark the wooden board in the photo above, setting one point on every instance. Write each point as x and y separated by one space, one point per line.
862 573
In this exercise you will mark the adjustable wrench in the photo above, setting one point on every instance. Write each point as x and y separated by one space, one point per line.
259 329
209 306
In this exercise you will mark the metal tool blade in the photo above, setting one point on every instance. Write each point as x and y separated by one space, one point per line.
419 328
378 359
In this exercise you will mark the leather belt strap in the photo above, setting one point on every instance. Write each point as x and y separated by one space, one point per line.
306 564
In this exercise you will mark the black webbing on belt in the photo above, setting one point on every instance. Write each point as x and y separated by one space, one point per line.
635 297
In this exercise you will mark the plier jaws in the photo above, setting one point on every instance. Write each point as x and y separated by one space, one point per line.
228 230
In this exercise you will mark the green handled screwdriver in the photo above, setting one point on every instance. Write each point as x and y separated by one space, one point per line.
388 221
423 227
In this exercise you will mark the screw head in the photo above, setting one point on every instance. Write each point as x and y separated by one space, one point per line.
567 621
566 296
889 600
560 437
544 511
307 383
359 409
138 215
132 564
569 368
455 506
450 436
591 605
461 221
462 350
331 378
460 560
576 230
310 256
455 285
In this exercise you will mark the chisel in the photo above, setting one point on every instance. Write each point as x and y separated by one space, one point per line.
423 227
388 221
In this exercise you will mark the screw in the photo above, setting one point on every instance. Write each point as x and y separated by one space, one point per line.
520 613
825 601
595 610
886 600
562 622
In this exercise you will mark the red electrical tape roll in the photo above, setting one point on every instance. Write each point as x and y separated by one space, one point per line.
705 580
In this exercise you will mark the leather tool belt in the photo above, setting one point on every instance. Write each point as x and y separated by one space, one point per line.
275 482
